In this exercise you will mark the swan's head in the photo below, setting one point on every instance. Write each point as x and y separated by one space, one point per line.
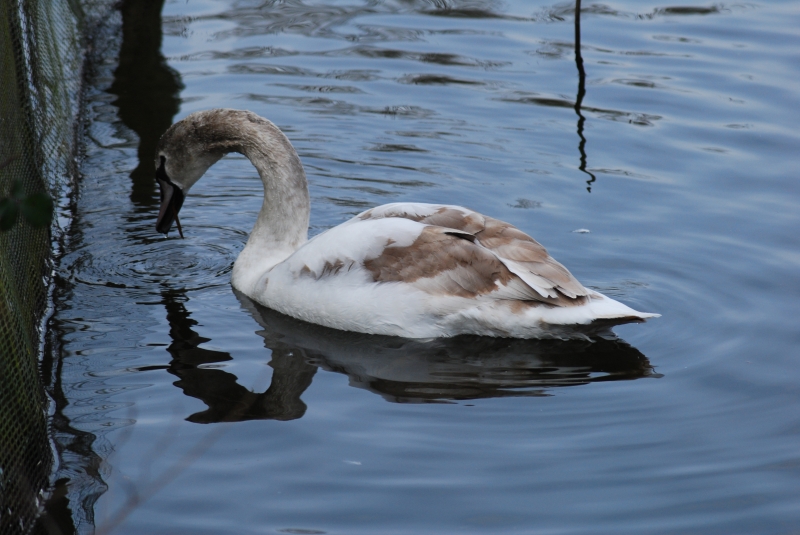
190 146
185 152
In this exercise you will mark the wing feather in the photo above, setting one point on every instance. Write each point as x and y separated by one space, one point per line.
456 264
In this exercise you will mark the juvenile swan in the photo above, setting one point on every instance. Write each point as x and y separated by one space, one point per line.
404 269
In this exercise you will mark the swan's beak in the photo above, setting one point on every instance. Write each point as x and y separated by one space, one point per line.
171 202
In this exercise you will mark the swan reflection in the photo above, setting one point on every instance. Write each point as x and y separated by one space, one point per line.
399 370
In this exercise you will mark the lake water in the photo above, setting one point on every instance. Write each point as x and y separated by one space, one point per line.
182 407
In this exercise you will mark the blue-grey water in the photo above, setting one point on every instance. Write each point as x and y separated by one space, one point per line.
182 407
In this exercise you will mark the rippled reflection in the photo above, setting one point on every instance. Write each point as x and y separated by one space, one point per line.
399 370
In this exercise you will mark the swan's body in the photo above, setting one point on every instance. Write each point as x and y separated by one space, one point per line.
404 269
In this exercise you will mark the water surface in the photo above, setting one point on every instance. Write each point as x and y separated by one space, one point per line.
183 407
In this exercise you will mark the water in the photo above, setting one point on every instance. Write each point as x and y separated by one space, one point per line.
182 407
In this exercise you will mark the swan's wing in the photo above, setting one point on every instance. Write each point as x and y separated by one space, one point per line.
446 262
516 251
440 261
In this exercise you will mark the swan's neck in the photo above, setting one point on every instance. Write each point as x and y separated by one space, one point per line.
282 224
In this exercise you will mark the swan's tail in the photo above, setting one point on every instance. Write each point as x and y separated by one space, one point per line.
599 312
598 317
607 309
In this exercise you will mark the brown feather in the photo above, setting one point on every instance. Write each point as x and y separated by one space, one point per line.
468 269
497 241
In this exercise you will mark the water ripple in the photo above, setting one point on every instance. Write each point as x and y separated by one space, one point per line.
194 263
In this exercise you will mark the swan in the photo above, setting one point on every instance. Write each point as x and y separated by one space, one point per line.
412 270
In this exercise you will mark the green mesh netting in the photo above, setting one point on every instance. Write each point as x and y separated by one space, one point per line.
41 60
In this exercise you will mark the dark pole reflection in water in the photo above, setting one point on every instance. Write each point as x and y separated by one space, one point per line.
147 89
399 370
581 94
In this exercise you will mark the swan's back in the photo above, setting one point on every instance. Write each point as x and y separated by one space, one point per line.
424 270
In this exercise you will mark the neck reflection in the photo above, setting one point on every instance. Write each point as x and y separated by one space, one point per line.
227 400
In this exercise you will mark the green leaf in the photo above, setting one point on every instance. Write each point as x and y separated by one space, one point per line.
8 213
37 208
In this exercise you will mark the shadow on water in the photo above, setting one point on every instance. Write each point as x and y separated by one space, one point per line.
147 89
397 369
